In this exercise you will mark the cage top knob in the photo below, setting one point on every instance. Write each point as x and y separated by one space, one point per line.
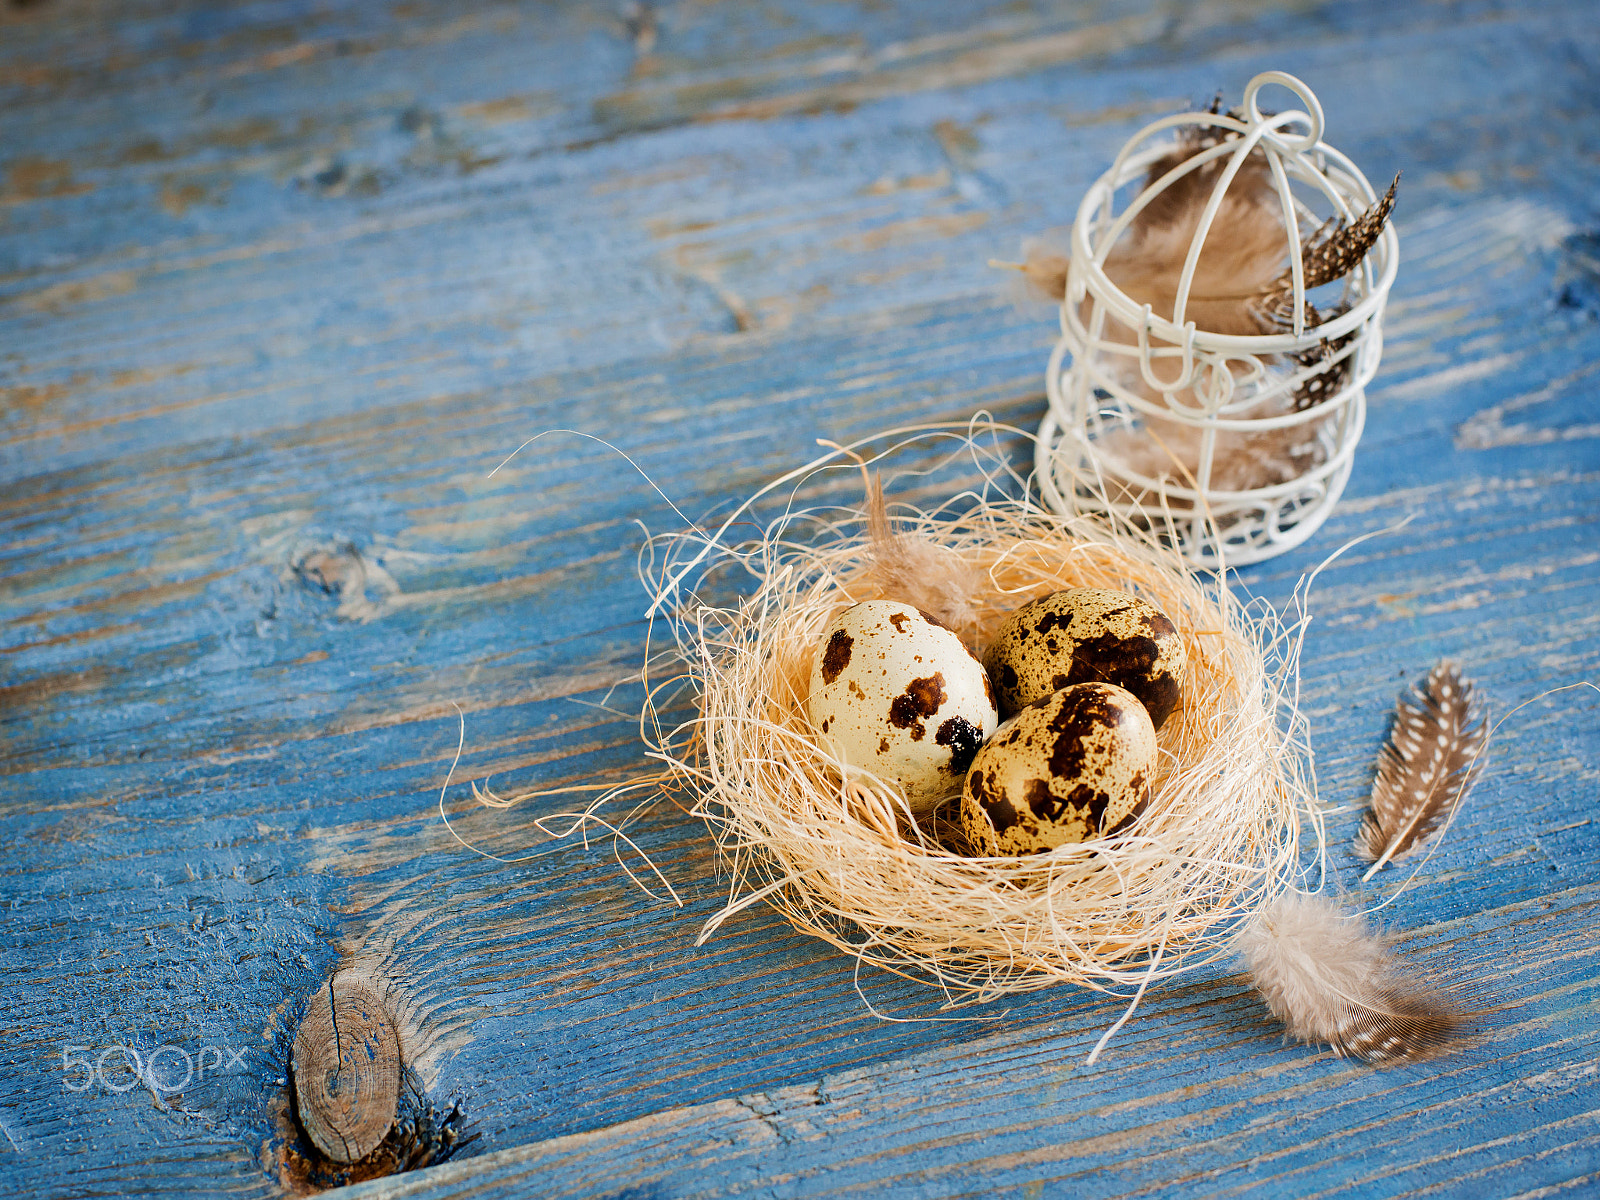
1313 110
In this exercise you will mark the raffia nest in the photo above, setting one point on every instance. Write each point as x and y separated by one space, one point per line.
846 862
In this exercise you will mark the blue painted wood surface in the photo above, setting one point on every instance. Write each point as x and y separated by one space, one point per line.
280 282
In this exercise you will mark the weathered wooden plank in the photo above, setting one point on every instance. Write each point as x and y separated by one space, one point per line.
229 659
1117 1130
632 953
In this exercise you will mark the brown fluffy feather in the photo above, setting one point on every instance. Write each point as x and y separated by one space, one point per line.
1243 250
1433 756
920 572
1044 269
1333 982
1241 284
1169 452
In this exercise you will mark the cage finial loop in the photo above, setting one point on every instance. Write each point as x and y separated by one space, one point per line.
1313 109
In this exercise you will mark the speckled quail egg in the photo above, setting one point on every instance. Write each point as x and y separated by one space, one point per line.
1088 635
896 693
1073 766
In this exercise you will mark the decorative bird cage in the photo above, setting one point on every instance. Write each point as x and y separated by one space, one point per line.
1218 331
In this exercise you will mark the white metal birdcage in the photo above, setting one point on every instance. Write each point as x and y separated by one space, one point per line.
1165 422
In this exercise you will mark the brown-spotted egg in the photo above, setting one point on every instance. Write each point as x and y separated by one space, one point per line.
896 693
1073 766
1085 635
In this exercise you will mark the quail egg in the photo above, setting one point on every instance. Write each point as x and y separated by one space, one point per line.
896 693
1088 635
1073 766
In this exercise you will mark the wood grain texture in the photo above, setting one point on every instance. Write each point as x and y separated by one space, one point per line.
280 283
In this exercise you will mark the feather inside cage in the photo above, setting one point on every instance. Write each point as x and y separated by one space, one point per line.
1218 330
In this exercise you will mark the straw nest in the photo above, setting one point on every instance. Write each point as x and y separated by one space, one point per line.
846 862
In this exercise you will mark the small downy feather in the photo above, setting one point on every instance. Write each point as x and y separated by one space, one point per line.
1044 267
914 570
1334 982
1433 756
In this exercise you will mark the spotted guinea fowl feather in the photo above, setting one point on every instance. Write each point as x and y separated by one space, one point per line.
1433 756
1331 252
1332 981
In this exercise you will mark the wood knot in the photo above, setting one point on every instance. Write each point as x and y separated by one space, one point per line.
338 569
346 1068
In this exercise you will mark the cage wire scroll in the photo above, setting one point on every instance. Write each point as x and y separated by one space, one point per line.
1123 376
